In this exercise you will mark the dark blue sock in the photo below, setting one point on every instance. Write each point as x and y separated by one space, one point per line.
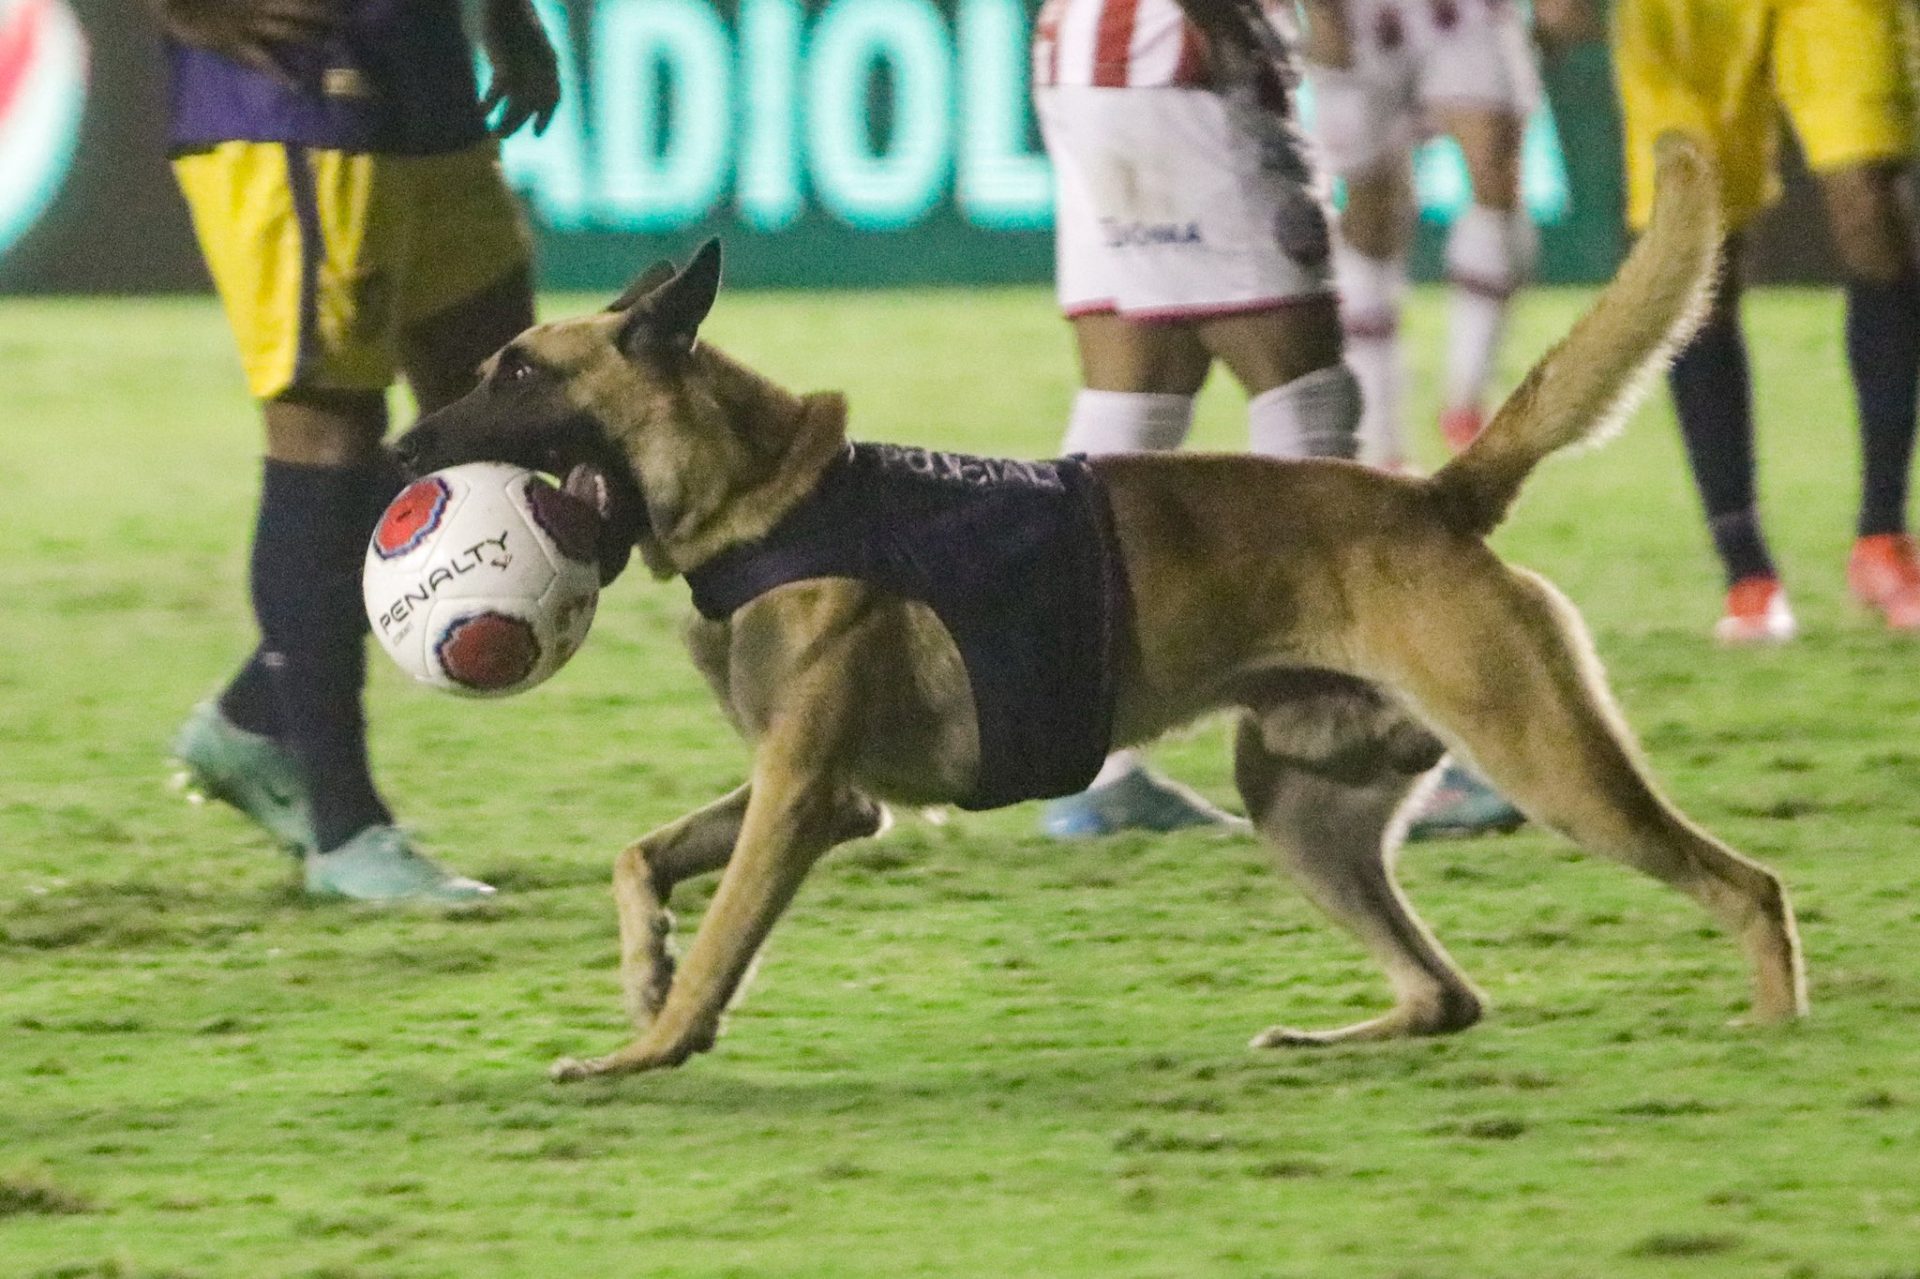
1883 353
248 701
1713 395
307 549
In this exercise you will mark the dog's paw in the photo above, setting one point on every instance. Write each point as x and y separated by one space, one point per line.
1288 1037
568 1070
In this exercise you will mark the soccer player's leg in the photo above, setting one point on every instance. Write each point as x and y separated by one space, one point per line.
463 288
1370 265
1703 69
1363 129
1848 90
300 245
1490 253
1138 379
1478 84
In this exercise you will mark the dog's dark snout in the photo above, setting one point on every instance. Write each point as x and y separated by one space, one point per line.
411 447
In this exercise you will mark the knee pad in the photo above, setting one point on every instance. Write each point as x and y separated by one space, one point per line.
1127 422
1315 415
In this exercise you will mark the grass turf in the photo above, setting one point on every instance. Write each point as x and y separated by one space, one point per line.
970 1052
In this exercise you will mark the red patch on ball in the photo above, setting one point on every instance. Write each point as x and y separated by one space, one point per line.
488 652
573 524
410 517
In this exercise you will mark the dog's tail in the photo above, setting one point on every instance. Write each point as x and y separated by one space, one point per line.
1587 385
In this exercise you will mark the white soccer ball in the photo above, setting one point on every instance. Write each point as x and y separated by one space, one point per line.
481 579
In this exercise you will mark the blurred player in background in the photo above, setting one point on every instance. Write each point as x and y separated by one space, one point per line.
347 197
1386 76
1724 70
1190 228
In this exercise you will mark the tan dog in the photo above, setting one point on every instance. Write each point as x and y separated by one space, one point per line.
1340 609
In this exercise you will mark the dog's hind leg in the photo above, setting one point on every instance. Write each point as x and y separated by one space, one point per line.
646 871
1508 673
1330 807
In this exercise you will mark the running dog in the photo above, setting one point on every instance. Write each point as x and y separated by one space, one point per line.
887 624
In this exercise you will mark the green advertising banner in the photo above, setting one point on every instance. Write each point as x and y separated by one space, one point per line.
872 142
840 143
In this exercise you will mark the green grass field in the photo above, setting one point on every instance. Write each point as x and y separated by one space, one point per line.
969 1052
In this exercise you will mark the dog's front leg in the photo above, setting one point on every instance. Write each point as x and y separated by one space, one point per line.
644 875
789 821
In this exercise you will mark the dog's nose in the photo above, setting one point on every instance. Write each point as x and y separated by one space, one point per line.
410 447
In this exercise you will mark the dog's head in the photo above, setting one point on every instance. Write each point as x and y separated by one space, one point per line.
683 450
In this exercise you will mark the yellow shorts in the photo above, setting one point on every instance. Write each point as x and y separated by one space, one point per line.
1723 69
324 259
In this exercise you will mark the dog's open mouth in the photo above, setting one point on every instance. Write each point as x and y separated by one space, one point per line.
620 520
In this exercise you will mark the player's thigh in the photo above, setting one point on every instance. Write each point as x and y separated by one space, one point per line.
1269 348
1701 69
1117 354
1489 141
469 276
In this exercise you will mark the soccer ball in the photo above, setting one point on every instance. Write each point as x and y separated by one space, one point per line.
481 579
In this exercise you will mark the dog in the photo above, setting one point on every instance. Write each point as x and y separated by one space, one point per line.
1356 620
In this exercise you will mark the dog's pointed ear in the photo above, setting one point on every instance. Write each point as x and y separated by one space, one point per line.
669 318
644 283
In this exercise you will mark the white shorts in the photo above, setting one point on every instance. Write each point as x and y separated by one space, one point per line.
1165 209
1409 58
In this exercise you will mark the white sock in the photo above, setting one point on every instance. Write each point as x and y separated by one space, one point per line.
1315 415
1118 765
1371 293
1127 422
1489 253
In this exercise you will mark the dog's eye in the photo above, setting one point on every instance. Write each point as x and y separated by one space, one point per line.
515 367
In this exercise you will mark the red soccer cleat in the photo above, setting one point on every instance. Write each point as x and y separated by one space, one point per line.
1884 574
1459 426
1757 613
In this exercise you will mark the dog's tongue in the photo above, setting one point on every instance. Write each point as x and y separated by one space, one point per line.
587 483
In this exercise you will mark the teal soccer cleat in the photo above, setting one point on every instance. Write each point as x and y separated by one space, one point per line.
1136 800
1461 807
380 864
220 760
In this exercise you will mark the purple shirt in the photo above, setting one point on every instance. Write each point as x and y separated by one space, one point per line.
396 79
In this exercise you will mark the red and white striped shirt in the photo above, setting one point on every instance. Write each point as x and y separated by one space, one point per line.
1116 44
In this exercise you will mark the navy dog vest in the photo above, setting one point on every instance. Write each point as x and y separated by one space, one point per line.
1016 559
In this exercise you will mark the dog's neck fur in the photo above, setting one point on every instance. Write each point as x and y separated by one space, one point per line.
792 439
